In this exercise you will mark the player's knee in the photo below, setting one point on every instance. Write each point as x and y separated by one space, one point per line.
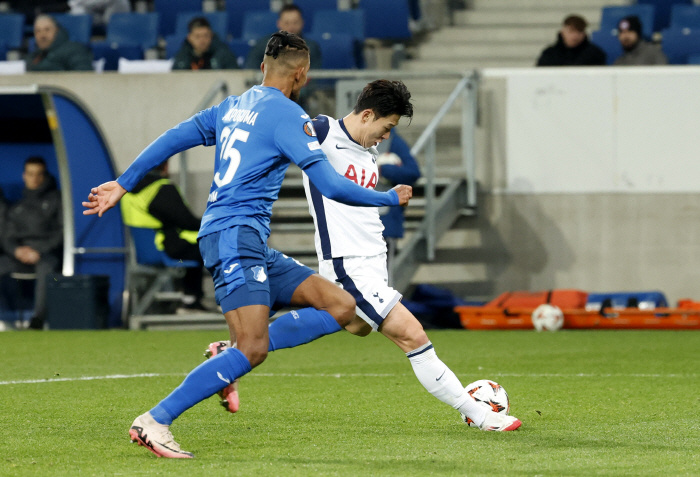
346 310
358 327
257 357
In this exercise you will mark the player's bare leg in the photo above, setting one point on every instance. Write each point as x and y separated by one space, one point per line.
325 295
401 327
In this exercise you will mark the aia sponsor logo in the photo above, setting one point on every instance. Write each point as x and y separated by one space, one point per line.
351 174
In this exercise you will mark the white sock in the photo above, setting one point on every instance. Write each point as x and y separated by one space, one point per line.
441 382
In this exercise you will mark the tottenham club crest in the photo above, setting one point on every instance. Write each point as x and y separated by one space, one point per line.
259 273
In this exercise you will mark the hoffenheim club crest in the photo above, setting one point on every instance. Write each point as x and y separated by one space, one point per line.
259 273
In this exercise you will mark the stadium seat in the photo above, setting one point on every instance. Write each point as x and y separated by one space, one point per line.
609 43
133 29
241 48
612 15
662 11
79 27
386 19
3 51
217 20
156 267
351 22
694 59
685 16
680 43
337 50
169 10
308 7
112 52
258 24
11 27
237 9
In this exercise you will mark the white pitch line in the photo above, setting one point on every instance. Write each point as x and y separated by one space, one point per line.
346 375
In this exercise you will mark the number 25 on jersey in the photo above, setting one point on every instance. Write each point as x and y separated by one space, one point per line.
230 153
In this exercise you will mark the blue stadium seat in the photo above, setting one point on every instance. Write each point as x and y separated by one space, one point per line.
259 23
386 19
685 16
612 15
11 28
694 59
241 48
237 9
662 11
3 51
351 22
217 20
680 43
79 27
173 44
609 43
112 52
337 50
308 7
148 254
133 29
168 11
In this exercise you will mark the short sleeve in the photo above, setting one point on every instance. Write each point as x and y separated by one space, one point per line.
295 138
206 123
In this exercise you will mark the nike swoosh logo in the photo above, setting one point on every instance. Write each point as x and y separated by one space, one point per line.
230 269
443 373
338 147
223 378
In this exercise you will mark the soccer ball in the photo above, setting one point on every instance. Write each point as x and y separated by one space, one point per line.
547 317
489 394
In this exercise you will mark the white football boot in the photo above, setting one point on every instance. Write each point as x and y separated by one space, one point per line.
229 395
499 422
156 438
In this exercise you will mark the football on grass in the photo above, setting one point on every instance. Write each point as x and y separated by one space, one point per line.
489 394
547 317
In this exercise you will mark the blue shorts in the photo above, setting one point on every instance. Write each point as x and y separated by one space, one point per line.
247 272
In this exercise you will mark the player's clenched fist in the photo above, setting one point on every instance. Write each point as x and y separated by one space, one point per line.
405 192
103 197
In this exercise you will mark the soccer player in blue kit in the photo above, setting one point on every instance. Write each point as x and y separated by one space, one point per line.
256 134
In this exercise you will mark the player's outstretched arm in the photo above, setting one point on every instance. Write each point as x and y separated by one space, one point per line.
103 197
336 187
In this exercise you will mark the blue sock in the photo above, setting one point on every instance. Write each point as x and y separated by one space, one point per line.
300 327
206 379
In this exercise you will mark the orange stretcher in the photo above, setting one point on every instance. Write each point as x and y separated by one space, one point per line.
495 316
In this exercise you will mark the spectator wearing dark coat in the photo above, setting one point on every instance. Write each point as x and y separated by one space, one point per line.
33 233
55 52
637 50
202 49
290 20
572 47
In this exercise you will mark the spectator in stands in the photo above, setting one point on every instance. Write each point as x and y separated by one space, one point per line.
33 232
572 47
637 50
396 166
290 20
55 52
203 50
100 10
156 203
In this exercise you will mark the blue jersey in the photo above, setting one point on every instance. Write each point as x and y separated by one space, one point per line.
256 136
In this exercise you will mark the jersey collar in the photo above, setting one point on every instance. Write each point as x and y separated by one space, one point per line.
345 130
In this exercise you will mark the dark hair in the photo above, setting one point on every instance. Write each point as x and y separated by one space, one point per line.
35 160
576 22
198 22
385 98
291 8
283 42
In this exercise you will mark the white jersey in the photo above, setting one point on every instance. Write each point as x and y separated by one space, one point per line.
344 230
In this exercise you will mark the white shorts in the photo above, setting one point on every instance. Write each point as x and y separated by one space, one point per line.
366 279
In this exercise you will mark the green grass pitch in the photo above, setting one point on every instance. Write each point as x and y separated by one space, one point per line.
592 403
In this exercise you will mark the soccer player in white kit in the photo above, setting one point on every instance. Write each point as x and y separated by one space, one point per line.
352 251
